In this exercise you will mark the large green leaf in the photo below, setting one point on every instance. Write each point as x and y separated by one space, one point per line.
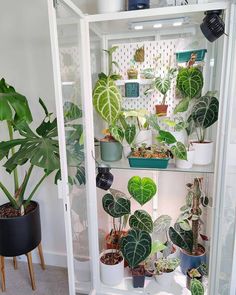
182 239
71 111
141 220
205 111
182 106
196 287
116 207
107 100
190 82
117 133
162 85
11 100
161 224
130 133
142 190
136 247
179 151
166 137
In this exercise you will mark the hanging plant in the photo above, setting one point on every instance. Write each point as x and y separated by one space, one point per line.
139 54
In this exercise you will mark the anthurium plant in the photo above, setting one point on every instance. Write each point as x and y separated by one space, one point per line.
30 148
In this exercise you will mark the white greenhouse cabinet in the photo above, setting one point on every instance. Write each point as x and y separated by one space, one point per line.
77 43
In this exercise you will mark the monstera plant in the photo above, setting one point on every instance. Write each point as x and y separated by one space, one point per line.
204 114
189 83
186 232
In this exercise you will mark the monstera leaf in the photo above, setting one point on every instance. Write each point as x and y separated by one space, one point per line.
161 224
162 85
182 239
116 207
13 106
117 133
71 111
190 82
130 133
179 151
196 287
107 100
142 190
205 111
136 247
141 220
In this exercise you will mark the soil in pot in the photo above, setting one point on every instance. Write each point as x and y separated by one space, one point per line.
138 274
189 278
7 211
161 110
112 239
111 258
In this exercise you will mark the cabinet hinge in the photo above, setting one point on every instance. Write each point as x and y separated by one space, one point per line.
66 207
55 3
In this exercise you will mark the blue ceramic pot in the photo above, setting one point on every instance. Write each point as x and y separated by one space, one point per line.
190 261
138 4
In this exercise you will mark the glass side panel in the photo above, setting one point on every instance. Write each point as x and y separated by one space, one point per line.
70 52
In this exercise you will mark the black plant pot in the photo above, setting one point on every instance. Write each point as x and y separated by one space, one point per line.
138 274
20 235
138 4
189 279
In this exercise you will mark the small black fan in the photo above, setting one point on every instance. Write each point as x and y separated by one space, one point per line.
138 4
213 26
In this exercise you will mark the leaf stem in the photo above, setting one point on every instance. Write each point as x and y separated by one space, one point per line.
16 178
8 195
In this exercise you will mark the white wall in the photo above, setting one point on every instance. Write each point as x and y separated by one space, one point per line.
25 60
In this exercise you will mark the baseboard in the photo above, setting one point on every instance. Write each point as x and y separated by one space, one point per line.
51 258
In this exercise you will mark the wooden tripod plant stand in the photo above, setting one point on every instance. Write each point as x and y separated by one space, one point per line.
15 264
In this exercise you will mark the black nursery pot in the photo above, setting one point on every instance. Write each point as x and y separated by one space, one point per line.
138 4
138 277
189 279
20 235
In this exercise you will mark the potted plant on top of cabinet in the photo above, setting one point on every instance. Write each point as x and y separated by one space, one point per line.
196 273
111 261
20 228
107 102
189 82
165 268
203 115
186 236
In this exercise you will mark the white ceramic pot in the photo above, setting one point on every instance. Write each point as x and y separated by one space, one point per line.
144 136
203 153
82 269
111 275
108 6
165 279
126 150
180 136
183 164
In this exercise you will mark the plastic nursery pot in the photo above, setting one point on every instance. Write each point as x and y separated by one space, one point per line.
203 152
104 178
111 151
213 26
138 4
20 235
165 279
138 275
183 164
184 56
111 275
161 110
148 163
104 6
189 261
144 136
188 279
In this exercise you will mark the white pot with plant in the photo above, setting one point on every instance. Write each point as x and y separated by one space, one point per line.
144 134
104 6
186 164
204 114
165 268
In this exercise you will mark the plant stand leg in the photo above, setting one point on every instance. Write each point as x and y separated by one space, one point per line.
42 262
31 270
15 263
2 270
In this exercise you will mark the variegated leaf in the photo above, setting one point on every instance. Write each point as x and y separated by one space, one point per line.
141 220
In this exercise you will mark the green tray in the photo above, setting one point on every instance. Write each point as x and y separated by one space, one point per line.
185 56
148 163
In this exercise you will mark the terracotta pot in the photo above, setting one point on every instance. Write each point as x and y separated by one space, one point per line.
161 110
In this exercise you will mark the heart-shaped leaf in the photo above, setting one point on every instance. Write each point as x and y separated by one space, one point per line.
179 151
141 220
117 133
162 85
116 207
162 224
142 190
136 247
166 137
130 133
181 238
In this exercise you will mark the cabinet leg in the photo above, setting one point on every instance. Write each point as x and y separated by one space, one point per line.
42 262
31 270
2 270
15 263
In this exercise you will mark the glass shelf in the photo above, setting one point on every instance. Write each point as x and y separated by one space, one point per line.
124 164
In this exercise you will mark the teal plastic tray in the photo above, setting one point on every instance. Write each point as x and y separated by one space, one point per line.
148 163
185 56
